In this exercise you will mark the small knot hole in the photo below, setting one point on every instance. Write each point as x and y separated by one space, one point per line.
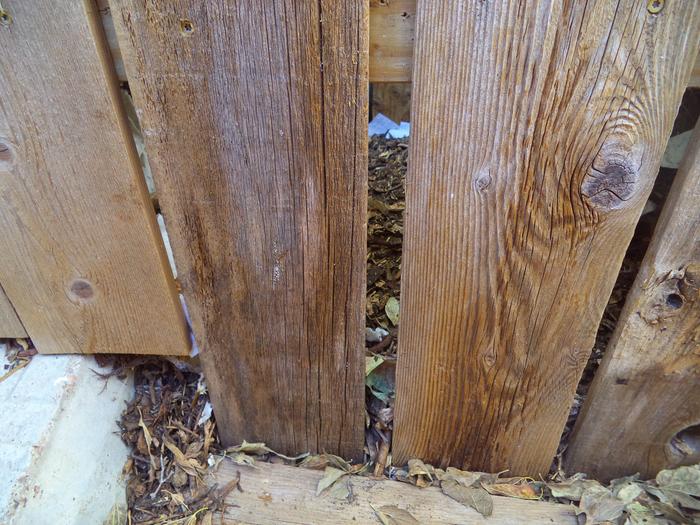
186 27
674 300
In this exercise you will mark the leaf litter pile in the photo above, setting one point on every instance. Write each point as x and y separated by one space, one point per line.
388 159
171 431
18 354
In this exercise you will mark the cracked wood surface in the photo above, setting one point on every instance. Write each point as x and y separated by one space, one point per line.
255 120
554 116
643 408
83 262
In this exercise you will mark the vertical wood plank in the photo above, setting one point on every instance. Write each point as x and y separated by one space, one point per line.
82 262
255 119
10 325
642 412
520 204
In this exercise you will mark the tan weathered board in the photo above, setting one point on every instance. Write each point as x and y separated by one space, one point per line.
255 120
10 325
642 412
82 261
279 494
520 205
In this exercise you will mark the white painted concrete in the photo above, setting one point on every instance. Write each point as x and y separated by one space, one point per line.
60 453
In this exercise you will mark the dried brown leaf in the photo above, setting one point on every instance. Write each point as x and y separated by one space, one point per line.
321 461
513 490
474 497
417 468
393 515
600 505
330 476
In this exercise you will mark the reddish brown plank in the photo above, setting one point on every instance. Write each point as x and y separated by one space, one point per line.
553 117
255 120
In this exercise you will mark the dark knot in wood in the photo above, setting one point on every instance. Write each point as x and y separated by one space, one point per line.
613 178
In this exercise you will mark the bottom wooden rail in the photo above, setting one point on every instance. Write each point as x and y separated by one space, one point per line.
279 494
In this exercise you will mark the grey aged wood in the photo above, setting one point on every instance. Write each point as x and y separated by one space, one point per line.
255 120
278 494
642 413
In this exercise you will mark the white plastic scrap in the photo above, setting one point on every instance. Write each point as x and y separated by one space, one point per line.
383 125
206 414
375 335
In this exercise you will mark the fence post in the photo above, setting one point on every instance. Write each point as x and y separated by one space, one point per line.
642 412
255 120
82 259
537 132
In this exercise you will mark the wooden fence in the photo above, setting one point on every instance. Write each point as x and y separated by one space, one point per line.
538 129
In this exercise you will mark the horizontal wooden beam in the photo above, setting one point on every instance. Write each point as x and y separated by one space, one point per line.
391 22
391 34
273 494
391 28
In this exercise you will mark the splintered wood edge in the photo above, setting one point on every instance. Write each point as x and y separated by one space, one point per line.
279 494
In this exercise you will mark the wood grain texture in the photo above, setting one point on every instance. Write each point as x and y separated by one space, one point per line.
10 325
278 494
391 34
643 408
554 116
82 261
255 121
392 24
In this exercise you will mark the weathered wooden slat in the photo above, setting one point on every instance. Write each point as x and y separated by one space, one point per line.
553 119
82 262
642 412
278 494
255 120
10 325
